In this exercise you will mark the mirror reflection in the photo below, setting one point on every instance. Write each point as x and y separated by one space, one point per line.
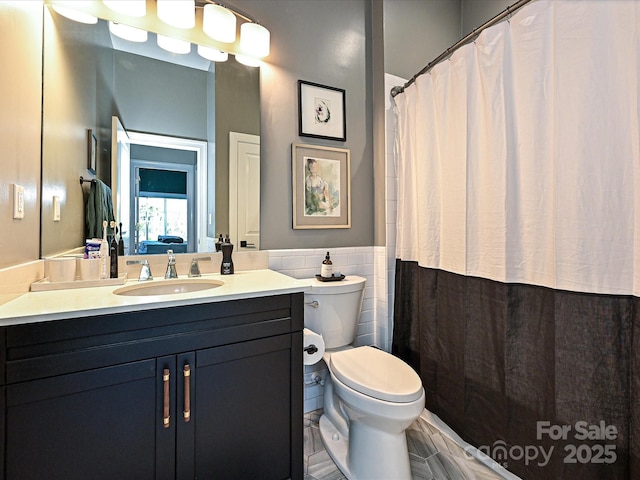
159 129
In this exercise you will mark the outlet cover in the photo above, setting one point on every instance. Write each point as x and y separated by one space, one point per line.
18 201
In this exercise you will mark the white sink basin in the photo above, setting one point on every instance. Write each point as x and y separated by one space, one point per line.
168 287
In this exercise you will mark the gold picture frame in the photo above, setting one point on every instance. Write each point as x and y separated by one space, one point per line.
321 186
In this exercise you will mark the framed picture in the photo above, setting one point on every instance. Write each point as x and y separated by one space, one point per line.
321 111
321 187
92 149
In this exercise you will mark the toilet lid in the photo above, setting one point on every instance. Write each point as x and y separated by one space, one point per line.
377 374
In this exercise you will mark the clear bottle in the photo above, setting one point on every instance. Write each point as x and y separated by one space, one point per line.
327 267
104 253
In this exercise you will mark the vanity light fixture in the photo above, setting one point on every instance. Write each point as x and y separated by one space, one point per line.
212 54
173 45
133 8
67 9
177 13
219 23
126 32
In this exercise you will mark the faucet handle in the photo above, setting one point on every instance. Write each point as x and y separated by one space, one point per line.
194 271
145 270
171 266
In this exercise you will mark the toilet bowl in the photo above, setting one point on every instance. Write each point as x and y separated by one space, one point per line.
370 398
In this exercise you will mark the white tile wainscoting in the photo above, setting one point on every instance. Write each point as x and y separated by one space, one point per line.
374 324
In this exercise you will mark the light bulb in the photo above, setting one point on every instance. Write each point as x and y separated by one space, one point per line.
178 13
173 45
67 9
212 54
132 34
133 8
254 40
248 61
219 23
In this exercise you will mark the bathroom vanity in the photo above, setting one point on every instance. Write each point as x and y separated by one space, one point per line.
207 386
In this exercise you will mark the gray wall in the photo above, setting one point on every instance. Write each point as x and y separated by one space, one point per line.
417 31
477 12
330 42
20 119
77 97
237 97
323 42
158 97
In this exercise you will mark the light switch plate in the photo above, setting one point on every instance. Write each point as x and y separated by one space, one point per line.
56 208
18 201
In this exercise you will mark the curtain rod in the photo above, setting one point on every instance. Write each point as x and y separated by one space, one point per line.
468 39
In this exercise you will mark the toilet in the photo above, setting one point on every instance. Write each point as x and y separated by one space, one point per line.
370 397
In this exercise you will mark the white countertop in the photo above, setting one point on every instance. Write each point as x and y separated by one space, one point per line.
80 302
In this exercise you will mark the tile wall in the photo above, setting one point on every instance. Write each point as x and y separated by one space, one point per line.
305 263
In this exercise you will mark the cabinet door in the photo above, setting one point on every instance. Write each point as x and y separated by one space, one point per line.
98 424
243 416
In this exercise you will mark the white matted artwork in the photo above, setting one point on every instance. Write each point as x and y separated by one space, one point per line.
321 111
321 187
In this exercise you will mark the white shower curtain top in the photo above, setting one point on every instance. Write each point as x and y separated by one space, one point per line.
519 157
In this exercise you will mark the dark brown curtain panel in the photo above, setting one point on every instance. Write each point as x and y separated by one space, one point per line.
545 381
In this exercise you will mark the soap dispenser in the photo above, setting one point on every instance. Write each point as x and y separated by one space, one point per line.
226 268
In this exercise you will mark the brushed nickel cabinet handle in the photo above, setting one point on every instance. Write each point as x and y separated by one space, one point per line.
166 399
187 397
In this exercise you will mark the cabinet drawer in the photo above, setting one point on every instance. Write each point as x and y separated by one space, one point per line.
42 350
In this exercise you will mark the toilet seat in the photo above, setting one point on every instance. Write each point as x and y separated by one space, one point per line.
377 374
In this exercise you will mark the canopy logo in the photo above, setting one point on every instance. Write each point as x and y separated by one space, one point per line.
571 448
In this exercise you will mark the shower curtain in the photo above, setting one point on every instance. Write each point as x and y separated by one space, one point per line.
518 239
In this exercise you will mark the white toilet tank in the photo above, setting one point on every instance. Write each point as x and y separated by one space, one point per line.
337 311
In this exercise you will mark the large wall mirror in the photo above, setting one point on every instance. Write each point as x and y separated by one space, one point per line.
184 118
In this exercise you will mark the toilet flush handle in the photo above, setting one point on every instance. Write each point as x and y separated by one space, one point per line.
314 304
311 349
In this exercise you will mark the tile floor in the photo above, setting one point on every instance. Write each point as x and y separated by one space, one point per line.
433 455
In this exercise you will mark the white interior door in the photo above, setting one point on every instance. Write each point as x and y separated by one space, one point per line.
120 182
244 190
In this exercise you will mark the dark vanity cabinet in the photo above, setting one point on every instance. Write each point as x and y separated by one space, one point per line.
208 391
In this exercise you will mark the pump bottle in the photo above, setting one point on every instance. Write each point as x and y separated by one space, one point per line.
327 267
226 268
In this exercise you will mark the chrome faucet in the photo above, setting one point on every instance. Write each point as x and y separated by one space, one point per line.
171 266
194 271
145 270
